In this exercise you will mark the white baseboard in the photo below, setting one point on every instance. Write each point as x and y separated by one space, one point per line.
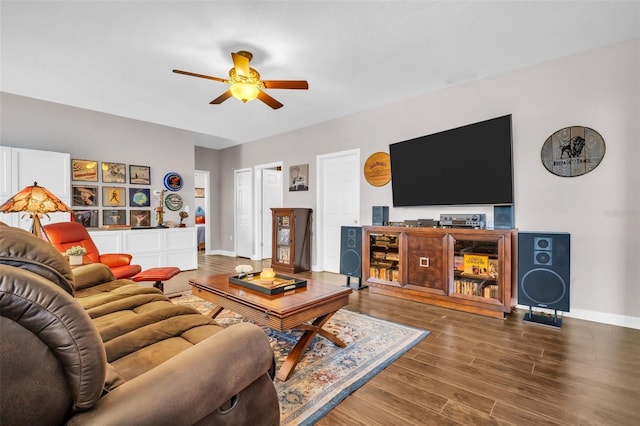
221 253
602 317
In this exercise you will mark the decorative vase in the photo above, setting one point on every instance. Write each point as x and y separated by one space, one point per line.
267 275
75 260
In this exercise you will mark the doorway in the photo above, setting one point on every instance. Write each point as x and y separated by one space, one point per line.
269 193
338 200
203 207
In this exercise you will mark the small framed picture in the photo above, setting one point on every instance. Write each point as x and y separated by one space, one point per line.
114 196
140 175
140 218
114 172
88 218
139 197
85 170
85 195
114 217
199 192
299 177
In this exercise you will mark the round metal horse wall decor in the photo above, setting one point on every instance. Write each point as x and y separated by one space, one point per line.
573 151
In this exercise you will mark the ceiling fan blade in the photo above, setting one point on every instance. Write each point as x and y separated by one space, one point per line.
286 84
273 103
193 74
220 99
241 64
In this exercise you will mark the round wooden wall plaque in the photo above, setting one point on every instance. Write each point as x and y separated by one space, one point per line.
377 169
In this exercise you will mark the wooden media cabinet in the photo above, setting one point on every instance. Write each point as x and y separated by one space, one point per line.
464 269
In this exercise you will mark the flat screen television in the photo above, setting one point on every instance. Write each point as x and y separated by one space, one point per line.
467 165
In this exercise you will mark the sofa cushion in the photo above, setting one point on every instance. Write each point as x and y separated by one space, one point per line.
97 299
90 274
24 250
140 327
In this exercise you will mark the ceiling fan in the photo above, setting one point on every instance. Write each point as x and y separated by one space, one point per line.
246 84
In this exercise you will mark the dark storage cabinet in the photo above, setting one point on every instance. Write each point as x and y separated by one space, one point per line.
291 251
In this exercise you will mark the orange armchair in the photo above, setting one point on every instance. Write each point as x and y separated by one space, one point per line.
64 235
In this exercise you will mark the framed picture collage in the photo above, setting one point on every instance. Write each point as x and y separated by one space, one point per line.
110 194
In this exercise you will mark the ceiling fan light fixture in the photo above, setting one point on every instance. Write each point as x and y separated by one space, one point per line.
244 91
245 83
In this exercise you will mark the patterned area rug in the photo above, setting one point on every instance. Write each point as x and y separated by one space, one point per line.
326 374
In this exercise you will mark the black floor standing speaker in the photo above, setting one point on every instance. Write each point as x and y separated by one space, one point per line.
351 254
543 274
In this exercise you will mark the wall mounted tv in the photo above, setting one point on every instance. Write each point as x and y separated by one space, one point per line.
471 164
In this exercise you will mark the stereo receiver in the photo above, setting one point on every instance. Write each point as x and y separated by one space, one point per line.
474 220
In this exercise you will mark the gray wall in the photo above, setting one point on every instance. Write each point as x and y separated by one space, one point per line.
89 135
601 210
599 89
209 159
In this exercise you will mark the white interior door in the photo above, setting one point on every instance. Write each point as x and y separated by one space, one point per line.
51 170
338 203
271 197
243 212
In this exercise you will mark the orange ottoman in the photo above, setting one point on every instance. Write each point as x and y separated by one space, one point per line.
157 274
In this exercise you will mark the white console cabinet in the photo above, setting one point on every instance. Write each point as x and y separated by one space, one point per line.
152 248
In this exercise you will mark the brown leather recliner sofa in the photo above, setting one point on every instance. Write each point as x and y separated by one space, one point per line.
118 353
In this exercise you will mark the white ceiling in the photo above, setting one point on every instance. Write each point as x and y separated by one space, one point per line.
117 56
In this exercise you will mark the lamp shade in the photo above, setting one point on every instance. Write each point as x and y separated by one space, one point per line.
36 201
244 91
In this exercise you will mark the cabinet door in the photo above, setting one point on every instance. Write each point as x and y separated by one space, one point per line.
382 258
283 238
426 263
479 269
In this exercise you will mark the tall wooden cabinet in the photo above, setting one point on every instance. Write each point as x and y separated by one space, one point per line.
464 269
291 252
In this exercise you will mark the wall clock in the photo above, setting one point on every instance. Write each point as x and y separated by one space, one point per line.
572 151
173 181
377 169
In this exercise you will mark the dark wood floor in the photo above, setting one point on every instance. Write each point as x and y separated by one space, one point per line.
473 370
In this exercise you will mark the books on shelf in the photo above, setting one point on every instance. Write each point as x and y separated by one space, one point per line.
493 268
476 264
458 263
382 272
487 289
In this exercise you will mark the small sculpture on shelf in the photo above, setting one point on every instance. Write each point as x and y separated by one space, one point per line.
160 210
183 215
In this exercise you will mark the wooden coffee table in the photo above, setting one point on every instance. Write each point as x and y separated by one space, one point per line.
307 308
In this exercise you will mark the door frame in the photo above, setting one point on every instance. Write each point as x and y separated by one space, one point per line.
258 213
319 223
235 207
208 216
